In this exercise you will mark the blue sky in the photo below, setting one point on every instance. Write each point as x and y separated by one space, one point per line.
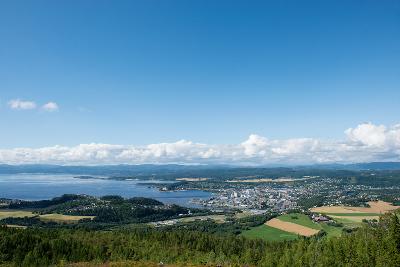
142 72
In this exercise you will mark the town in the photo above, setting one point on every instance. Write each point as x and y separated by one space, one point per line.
296 195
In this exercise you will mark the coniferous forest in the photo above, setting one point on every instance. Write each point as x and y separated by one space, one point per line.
376 244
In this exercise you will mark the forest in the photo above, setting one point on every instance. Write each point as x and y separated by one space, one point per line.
375 244
106 209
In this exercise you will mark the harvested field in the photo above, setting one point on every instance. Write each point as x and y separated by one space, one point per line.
15 214
378 207
291 227
45 217
375 207
63 218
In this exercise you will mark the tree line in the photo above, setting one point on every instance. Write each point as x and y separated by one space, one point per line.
376 244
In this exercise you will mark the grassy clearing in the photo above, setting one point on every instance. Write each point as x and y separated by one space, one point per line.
16 226
15 214
331 231
45 217
347 222
300 219
243 214
268 233
356 218
353 214
63 218
216 218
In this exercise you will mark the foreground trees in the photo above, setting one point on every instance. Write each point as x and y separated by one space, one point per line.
373 245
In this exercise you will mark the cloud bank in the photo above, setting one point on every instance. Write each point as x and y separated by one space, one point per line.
364 143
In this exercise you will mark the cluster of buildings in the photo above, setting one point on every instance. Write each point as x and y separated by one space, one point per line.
260 197
281 197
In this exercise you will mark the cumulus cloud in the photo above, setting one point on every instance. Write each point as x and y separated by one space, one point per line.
365 142
50 107
19 104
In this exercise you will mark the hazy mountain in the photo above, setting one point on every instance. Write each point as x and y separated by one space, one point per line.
150 169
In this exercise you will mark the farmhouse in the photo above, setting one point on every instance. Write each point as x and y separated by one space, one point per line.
319 218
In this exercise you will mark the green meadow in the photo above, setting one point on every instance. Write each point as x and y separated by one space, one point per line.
268 233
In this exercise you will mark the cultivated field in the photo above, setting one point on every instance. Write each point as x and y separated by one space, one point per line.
355 215
355 218
216 218
45 217
376 207
63 218
15 214
300 219
268 233
304 220
291 227
276 232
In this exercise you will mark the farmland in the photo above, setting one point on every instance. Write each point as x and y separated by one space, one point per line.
268 233
304 220
300 219
216 218
375 208
15 214
291 227
60 218
54 217
352 216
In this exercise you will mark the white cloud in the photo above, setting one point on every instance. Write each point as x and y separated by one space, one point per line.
21 104
368 134
366 142
255 145
50 106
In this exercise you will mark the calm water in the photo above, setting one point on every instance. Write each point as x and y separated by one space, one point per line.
45 186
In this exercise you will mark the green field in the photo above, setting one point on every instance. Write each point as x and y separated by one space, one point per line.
353 214
272 234
216 218
302 219
268 233
347 222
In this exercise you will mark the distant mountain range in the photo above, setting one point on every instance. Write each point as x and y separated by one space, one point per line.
360 166
151 169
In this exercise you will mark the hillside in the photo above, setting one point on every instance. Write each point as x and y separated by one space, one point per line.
376 244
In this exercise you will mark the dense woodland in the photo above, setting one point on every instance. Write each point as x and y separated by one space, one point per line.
107 209
373 245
